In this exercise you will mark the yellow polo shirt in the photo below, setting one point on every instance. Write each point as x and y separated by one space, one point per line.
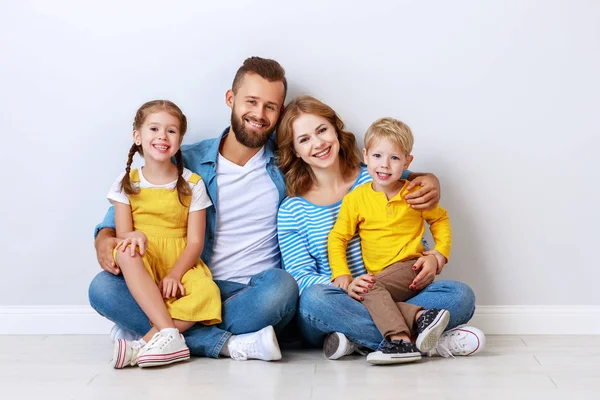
390 231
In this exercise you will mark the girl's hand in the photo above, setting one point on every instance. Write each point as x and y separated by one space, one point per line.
428 266
360 285
169 287
441 259
428 196
342 281
133 240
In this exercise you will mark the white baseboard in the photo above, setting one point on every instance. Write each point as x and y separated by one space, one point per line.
493 320
538 320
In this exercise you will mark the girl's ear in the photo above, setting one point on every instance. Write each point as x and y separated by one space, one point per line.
137 138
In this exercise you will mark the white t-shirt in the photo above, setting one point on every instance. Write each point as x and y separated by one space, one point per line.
200 199
246 232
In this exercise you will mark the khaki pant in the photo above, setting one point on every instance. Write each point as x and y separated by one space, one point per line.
385 300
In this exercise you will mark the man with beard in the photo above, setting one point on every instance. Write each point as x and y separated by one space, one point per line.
240 247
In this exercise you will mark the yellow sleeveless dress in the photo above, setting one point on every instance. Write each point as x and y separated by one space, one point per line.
158 213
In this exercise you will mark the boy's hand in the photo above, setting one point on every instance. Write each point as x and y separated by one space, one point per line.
360 285
133 240
170 285
441 259
342 281
428 196
428 266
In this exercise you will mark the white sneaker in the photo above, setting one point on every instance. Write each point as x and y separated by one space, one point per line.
117 333
337 345
166 347
125 353
261 345
461 341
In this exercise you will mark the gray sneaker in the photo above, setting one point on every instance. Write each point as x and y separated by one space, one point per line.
337 345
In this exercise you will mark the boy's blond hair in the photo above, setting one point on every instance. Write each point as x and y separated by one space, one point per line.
393 130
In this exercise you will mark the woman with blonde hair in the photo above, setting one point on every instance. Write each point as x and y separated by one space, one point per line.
321 164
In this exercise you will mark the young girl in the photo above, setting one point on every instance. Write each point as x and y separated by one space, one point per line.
160 217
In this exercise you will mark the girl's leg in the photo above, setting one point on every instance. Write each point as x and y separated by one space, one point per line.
145 291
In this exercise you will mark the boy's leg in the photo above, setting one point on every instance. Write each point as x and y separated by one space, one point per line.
394 320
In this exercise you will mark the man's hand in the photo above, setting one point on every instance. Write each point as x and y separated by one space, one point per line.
360 285
428 196
441 259
170 285
428 266
133 240
342 281
105 244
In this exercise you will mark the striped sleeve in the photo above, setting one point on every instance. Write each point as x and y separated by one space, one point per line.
294 251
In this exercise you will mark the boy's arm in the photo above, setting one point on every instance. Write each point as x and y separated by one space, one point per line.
439 224
337 241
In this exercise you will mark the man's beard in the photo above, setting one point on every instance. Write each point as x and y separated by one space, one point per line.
249 137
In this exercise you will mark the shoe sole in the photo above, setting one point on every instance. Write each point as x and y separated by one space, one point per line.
157 360
386 359
331 346
430 336
273 341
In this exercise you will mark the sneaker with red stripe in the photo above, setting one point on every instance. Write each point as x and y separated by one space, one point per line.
166 347
125 353
461 341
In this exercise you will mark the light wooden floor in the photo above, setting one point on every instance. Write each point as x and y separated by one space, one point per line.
512 367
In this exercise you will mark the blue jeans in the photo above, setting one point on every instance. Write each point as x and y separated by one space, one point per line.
324 309
270 298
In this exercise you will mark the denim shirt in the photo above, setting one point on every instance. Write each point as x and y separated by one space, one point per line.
201 158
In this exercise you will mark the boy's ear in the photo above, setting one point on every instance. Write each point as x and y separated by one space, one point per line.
408 161
365 156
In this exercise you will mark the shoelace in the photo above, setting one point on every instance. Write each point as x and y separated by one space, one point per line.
243 349
159 341
446 347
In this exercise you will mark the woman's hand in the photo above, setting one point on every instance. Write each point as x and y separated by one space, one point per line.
428 266
428 196
170 285
342 281
133 240
360 285
441 259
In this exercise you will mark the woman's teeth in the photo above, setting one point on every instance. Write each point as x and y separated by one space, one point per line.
323 153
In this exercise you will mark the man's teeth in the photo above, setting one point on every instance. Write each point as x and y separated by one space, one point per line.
255 124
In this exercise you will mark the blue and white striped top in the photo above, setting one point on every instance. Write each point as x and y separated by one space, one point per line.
302 228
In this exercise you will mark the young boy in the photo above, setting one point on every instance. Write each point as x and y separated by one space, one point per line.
390 233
